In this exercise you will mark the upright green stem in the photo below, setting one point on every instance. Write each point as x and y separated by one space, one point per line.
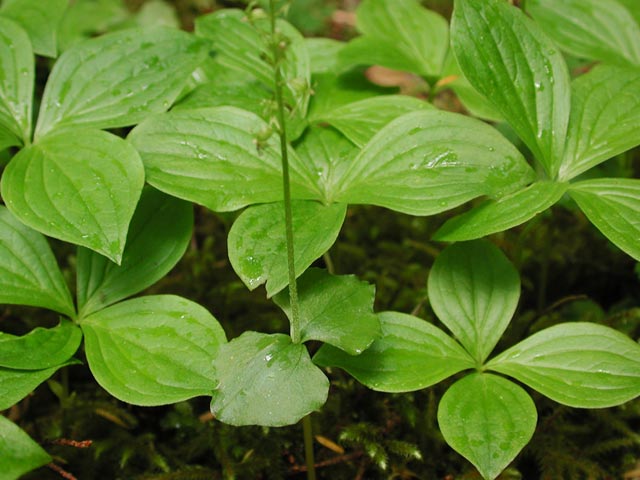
278 57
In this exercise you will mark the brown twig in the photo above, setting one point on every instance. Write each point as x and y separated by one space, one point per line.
327 463
61 471
67 442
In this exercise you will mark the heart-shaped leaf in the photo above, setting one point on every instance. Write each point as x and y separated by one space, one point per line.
401 35
16 83
411 354
41 348
158 236
20 453
258 247
266 380
118 79
39 19
222 157
474 291
605 118
508 59
80 186
360 121
29 273
612 205
488 420
596 29
334 309
430 161
153 350
579 364
495 216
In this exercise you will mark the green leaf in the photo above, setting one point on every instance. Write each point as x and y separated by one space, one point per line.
495 216
595 29
323 54
453 78
508 59
16 83
612 205
39 19
327 153
579 364
426 162
80 186
605 118
158 236
17 384
266 380
29 273
487 420
334 309
258 248
153 350
246 95
401 35
20 453
633 7
118 79
87 18
360 121
222 157
243 44
7 139
41 348
474 291
411 354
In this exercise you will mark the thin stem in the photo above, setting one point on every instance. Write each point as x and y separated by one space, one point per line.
309 460
278 56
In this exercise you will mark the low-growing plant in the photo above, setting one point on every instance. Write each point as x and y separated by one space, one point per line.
246 113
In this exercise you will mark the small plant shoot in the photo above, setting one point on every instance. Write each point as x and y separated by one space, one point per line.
158 183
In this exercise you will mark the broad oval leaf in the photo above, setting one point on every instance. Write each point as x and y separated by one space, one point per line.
494 216
337 310
474 291
595 29
508 59
41 348
153 350
411 354
118 79
605 118
401 35
328 154
258 247
158 236
488 420
427 162
29 273
360 121
39 19
579 364
80 186
20 453
266 380
613 206
16 82
17 384
221 157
